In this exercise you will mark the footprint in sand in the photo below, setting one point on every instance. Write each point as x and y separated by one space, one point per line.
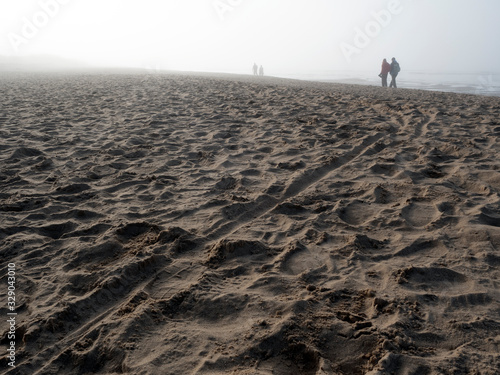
489 216
388 170
434 279
357 213
420 214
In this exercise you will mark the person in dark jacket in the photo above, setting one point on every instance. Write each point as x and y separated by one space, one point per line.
386 68
394 72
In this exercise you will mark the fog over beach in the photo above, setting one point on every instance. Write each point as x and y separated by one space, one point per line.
225 187
337 39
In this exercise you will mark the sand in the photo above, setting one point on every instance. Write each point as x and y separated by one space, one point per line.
198 224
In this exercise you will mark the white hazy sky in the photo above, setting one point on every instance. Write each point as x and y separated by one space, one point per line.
286 36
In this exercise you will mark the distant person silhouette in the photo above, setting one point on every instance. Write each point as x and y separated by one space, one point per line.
395 69
261 71
386 68
255 67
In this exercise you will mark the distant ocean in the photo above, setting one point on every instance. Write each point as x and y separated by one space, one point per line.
467 83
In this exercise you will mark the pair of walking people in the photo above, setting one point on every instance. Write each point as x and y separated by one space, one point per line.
257 70
392 69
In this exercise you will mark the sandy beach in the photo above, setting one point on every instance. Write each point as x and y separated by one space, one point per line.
217 224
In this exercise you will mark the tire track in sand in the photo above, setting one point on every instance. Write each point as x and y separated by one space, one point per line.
266 203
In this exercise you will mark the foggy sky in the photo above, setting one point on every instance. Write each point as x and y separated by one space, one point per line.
286 36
